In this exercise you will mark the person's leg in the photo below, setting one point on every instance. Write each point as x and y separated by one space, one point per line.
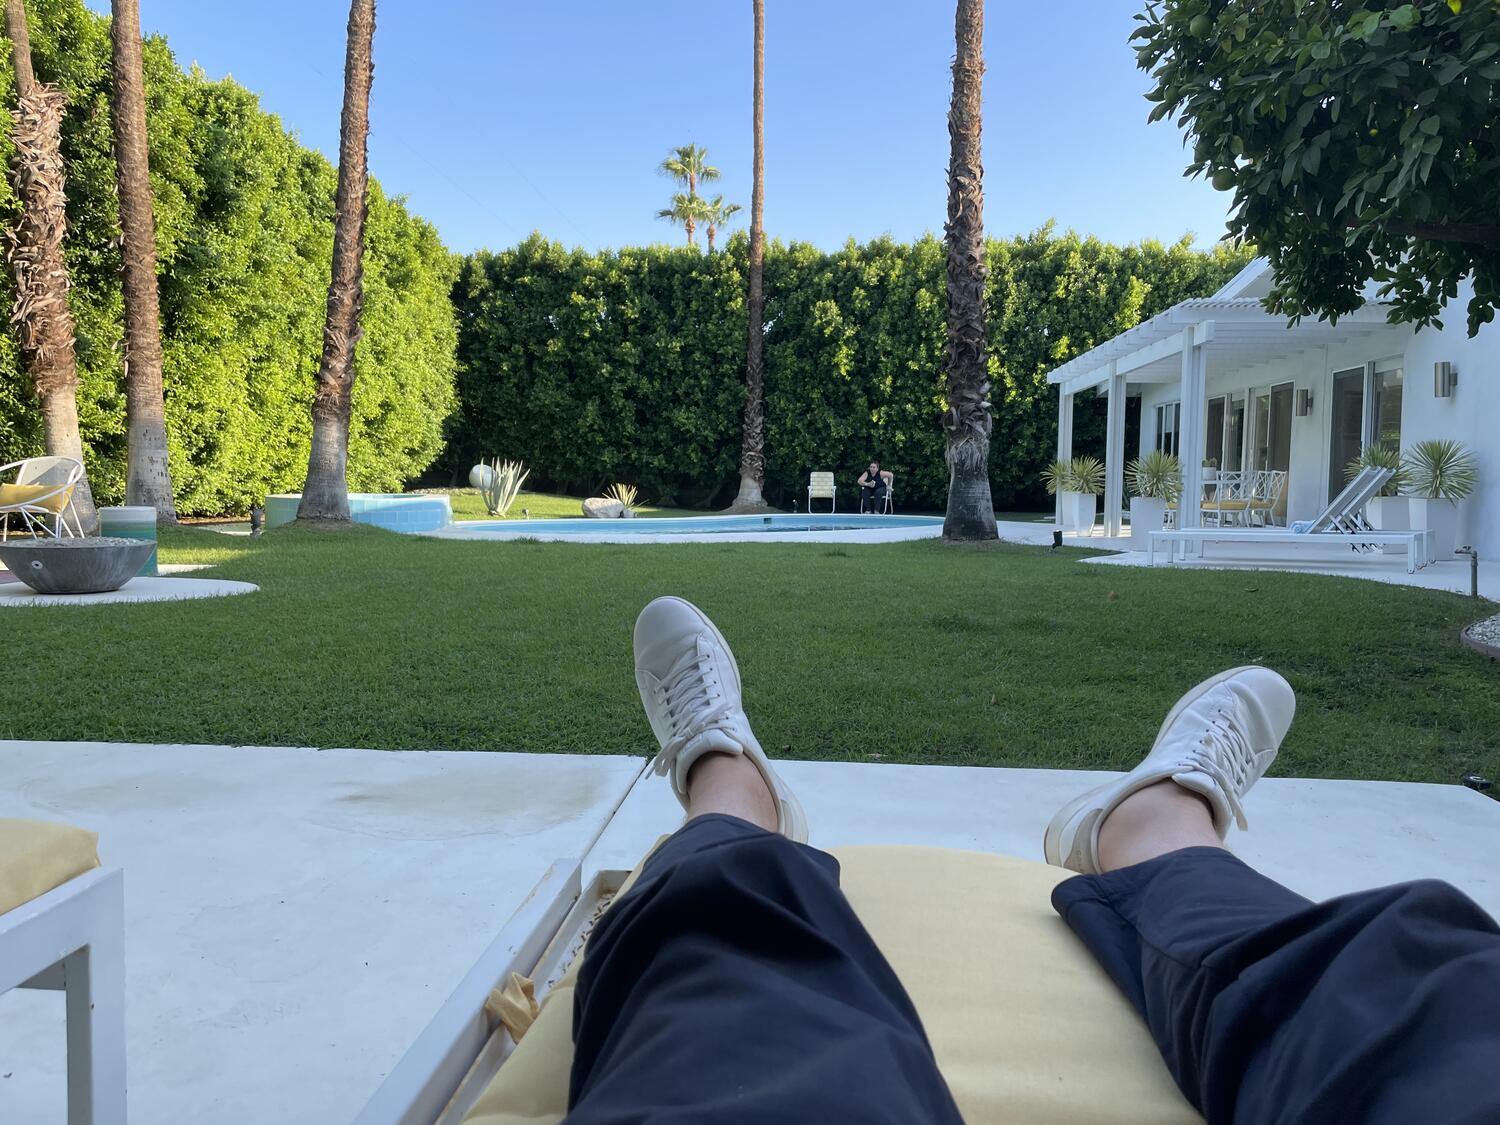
733 982
1267 1007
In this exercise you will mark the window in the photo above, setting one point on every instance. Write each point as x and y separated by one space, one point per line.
1225 444
1168 415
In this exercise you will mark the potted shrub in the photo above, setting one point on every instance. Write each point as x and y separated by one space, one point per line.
1058 477
1442 472
1085 484
1076 483
1156 480
1388 511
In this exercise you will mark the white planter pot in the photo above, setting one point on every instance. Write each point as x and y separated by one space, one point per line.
1390 513
1147 514
1441 518
1079 510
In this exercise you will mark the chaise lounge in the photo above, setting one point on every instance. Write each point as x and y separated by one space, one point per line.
62 927
1024 1023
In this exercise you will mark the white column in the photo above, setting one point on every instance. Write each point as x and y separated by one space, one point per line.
1114 454
1064 438
1191 427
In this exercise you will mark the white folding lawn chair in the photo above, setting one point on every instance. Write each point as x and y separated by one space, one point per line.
42 495
820 486
62 927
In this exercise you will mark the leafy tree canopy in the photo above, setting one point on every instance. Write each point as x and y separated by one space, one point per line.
1361 139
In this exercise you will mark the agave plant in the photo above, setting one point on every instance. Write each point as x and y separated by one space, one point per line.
1086 475
502 485
624 493
1157 476
1442 469
1380 457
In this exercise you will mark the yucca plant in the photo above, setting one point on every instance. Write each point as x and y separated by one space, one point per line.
1442 469
1086 475
1380 457
502 485
1057 477
1156 476
624 493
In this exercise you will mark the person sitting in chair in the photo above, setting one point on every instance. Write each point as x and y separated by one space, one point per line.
874 483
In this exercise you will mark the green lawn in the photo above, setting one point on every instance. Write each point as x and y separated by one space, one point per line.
908 652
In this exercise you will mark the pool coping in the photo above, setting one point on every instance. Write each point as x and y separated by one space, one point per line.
491 531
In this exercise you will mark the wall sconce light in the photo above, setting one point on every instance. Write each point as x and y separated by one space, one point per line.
1304 403
1444 379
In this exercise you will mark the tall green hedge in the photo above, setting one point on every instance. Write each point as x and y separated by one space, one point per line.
628 365
244 218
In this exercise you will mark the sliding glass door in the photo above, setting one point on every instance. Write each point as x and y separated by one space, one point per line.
1348 425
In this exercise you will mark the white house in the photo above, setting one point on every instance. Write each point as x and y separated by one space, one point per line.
1221 381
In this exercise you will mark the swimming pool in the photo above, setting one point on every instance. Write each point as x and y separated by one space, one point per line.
836 528
394 511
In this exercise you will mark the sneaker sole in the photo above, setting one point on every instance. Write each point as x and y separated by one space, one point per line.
789 811
1058 827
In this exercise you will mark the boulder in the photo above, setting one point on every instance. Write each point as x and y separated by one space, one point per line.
481 477
597 507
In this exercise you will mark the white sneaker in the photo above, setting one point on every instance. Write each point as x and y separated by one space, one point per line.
1216 741
690 687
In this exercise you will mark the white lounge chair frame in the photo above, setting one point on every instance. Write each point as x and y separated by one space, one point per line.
73 938
34 512
451 1063
1343 519
820 486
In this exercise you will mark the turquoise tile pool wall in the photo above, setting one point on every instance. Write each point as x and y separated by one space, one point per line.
394 511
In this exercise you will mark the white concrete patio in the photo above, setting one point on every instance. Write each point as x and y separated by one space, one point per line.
1333 558
294 917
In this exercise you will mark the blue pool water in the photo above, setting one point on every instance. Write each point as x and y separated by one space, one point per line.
703 525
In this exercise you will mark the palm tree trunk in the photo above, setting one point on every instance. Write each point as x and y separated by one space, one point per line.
753 436
967 424
711 233
325 496
36 259
148 479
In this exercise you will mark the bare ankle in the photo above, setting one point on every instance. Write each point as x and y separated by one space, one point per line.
1153 821
730 784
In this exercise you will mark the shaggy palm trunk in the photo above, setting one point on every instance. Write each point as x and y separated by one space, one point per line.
325 496
967 425
36 258
753 439
148 479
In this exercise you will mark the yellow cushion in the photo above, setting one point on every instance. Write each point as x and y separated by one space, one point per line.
14 495
1025 1025
1227 505
38 855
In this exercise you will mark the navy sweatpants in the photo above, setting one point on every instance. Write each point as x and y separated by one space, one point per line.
734 984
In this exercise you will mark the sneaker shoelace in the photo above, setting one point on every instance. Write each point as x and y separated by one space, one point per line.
691 689
1225 755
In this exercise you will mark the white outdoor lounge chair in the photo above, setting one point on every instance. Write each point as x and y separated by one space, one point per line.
969 934
820 486
1344 518
62 926
41 494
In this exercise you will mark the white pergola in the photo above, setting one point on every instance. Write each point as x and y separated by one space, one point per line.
1179 346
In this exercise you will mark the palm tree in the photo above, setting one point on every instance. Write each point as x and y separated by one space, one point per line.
325 496
753 437
967 424
688 211
36 258
689 166
717 213
148 479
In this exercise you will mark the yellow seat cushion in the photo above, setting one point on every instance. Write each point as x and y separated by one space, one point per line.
38 855
15 495
1025 1025
1226 505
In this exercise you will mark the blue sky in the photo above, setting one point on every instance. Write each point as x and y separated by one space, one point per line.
497 117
